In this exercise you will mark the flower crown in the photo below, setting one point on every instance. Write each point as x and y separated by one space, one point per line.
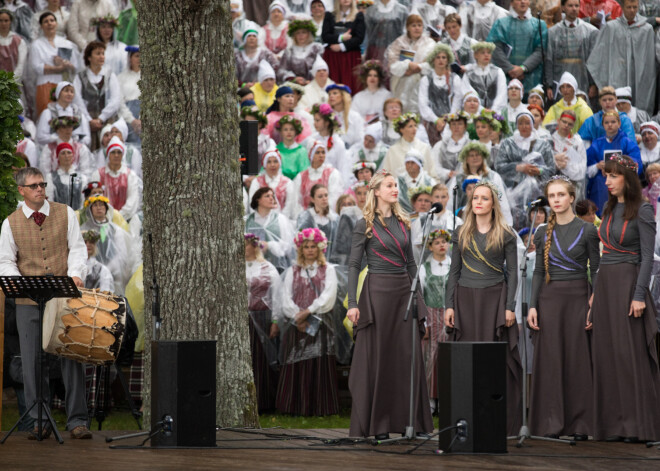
625 162
440 47
252 239
315 235
301 23
478 46
369 65
474 146
418 190
364 164
494 120
491 186
107 19
402 120
289 119
457 116
326 111
382 172
91 236
364 3
359 184
93 199
256 112
64 121
554 178
439 234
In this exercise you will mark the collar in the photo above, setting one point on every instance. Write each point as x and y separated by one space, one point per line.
112 173
527 15
383 8
567 23
458 43
94 78
45 209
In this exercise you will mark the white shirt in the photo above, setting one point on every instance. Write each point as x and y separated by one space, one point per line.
369 104
106 282
44 134
76 261
132 204
322 304
458 89
112 99
128 85
22 53
42 53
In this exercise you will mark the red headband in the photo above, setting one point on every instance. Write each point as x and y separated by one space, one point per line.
568 116
61 146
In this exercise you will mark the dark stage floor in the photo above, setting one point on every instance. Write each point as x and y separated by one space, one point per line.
306 450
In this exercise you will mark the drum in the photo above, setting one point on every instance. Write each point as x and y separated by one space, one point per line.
88 329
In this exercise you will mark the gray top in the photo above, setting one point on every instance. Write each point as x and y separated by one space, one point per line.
573 245
389 250
630 242
482 268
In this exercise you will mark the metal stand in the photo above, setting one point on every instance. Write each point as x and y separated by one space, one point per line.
412 307
39 289
101 409
524 429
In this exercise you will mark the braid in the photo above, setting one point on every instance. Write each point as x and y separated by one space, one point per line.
548 243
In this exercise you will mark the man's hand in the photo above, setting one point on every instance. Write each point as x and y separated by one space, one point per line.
79 283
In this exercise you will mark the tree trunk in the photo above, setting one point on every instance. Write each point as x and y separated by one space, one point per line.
2 347
192 190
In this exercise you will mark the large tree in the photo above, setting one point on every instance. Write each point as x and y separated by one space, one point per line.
192 190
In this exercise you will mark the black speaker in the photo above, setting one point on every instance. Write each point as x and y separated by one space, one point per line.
183 388
472 387
248 144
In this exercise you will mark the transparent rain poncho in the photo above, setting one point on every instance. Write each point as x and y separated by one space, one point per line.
276 230
263 287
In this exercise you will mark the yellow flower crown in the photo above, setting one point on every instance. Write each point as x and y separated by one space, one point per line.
94 199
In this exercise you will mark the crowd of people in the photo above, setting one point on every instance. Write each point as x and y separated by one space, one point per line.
371 111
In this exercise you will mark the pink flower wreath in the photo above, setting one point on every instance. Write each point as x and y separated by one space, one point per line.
315 235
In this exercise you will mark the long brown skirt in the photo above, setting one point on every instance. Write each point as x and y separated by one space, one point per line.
480 317
562 387
380 372
625 359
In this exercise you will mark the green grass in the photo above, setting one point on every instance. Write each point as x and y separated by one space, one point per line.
120 419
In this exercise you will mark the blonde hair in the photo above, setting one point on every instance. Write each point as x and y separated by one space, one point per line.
340 201
258 254
370 209
499 227
439 187
351 15
551 223
346 99
300 258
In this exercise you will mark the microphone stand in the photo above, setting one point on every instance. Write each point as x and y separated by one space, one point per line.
71 180
453 204
524 434
412 307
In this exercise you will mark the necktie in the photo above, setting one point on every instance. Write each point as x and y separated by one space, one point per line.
38 218
571 25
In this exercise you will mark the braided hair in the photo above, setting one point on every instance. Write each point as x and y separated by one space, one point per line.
570 187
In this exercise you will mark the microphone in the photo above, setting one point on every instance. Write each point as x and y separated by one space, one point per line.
541 201
436 208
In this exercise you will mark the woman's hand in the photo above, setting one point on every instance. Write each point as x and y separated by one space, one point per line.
95 124
301 316
136 124
510 318
301 81
346 36
426 334
561 160
302 327
414 68
637 308
440 124
353 315
588 325
528 169
335 47
532 319
449 318
274 331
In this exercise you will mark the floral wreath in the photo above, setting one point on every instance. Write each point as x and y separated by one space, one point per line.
63 121
256 112
459 115
372 64
91 236
301 23
93 199
440 47
418 190
402 120
494 120
624 161
382 172
326 111
364 3
252 239
296 87
315 235
359 184
439 234
289 119
478 46
107 19
474 146
364 164
492 187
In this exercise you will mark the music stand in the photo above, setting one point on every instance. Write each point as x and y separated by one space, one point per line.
39 289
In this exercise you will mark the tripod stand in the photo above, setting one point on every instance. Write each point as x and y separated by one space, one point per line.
102 407
39 289
524 433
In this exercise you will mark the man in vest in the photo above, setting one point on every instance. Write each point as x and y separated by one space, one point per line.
37 239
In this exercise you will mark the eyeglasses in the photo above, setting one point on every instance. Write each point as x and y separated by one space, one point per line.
34 186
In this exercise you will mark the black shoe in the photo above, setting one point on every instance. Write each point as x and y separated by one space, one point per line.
423 435
580 437
46 430
614 438
552 435
382 436
631 440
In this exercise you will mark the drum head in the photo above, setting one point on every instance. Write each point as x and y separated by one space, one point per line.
53 308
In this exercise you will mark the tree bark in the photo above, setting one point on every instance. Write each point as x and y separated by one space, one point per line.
2 347
192 190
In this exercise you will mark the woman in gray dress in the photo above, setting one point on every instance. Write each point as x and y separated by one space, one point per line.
380 371
479 298
625 360
562 388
